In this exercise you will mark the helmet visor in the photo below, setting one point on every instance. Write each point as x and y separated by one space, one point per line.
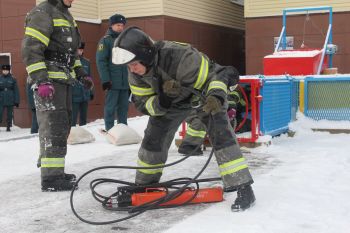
121 56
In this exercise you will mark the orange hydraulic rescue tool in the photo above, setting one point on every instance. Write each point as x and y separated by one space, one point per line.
204 195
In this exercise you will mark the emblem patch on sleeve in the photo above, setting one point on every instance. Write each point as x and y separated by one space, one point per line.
100 47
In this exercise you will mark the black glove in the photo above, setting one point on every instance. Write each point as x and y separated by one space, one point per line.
87 82
106 85
212 105
172 88
16 104
91 96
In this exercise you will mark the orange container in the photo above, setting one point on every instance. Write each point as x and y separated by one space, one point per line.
205 195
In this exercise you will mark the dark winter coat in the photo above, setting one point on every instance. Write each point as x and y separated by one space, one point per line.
79 92
109 72
50 30
9 94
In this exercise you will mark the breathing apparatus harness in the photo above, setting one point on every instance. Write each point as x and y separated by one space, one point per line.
121 199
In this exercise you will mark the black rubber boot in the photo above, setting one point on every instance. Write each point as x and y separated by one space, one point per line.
190 150
245 199
8 129
70 177
55 184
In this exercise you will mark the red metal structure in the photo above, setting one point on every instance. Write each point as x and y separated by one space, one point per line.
255 84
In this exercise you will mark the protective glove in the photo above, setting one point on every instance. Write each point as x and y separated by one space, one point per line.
172 88
164 100
91 96
212 105
46 90
107 86
87 82
231 113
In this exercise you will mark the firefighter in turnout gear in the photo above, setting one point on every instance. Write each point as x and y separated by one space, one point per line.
49 51
163 76
9 95
114 78
80 95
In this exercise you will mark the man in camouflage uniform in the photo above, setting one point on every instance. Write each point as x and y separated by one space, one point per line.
49 51
9 94
162 77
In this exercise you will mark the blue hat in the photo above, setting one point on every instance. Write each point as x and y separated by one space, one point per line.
117 18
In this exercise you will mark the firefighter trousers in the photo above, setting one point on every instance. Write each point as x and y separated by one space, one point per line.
160 133
54 118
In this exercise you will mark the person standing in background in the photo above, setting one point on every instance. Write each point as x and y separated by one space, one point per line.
9 94
114 78
80 95
30 96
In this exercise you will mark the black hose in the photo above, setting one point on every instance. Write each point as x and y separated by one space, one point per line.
137 210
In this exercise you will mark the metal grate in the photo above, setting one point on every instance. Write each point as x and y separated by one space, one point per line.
276 105
327 98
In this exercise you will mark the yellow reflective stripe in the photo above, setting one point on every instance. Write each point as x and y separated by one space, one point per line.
195 133
37 35
52 162
149 106
203 74
217 85
36 66
233 166
61 23
60 75
140 91
75 23
149 171
77 63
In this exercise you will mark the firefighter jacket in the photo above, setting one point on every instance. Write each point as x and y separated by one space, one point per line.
9 94
109 72
49 47
181 62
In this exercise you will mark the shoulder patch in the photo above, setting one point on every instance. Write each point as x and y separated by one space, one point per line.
100 47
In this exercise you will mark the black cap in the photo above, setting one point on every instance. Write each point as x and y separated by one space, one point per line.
117 18
82 45
6 67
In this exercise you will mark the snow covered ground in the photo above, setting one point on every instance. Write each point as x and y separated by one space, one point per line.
301 186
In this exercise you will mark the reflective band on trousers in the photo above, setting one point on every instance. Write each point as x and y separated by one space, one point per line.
60 75
37 35
217 85
195 133
149 106
149 171
140 91
36 66
77 63
203 74
232 166
52 162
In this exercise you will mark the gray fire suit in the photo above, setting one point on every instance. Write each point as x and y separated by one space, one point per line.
49 52
194 71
